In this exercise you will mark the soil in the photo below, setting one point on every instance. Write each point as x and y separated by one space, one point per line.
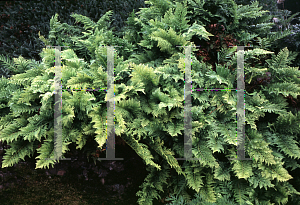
78 181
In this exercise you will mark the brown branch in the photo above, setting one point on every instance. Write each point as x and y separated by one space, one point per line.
215 109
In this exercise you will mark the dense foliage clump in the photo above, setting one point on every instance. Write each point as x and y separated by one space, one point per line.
149 101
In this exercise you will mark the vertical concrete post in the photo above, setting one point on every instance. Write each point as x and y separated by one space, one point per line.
58 107
188 155
240 113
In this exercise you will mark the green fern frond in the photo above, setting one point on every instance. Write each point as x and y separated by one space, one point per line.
7 63
18 150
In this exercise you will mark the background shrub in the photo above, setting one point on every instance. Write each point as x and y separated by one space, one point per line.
263 101
21 22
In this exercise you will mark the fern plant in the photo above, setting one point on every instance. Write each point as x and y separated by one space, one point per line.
149 109
21 22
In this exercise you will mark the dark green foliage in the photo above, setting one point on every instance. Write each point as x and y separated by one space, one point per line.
285 20
292 41
21 22
269 5
149 96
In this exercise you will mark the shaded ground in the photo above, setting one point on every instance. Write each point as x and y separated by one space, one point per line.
75 182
